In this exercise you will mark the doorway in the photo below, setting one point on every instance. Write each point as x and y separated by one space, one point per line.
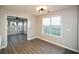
17 31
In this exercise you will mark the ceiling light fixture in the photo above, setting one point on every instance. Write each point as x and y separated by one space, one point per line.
42 10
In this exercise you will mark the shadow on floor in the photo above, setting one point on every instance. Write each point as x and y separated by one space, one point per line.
66 51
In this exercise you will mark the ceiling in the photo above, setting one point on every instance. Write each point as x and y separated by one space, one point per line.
31 9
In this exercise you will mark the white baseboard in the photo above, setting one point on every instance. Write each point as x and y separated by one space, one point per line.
59 45
31 38
4 47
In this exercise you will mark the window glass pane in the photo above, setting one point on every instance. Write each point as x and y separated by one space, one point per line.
47 29
56 21
46 25
12 24
46 21
56 26
20 25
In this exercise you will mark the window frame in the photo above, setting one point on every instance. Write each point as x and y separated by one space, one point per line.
50 30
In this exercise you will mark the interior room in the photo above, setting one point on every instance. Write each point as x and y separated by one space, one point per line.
39 29
16 25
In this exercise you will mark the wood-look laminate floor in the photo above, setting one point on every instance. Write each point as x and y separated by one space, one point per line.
18 44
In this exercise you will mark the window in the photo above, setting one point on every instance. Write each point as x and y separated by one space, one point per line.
52 26
46 25
20 25
12 24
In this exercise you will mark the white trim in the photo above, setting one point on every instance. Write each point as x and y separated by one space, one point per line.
31 38
4 47
59 44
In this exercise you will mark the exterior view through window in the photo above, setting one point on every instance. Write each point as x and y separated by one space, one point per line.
52 26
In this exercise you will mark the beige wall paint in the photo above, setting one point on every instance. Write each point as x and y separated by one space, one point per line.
3 25
69 28
78 28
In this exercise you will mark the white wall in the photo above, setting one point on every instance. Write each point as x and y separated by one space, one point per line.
4 29
32 28
78 28
69 28
3 32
